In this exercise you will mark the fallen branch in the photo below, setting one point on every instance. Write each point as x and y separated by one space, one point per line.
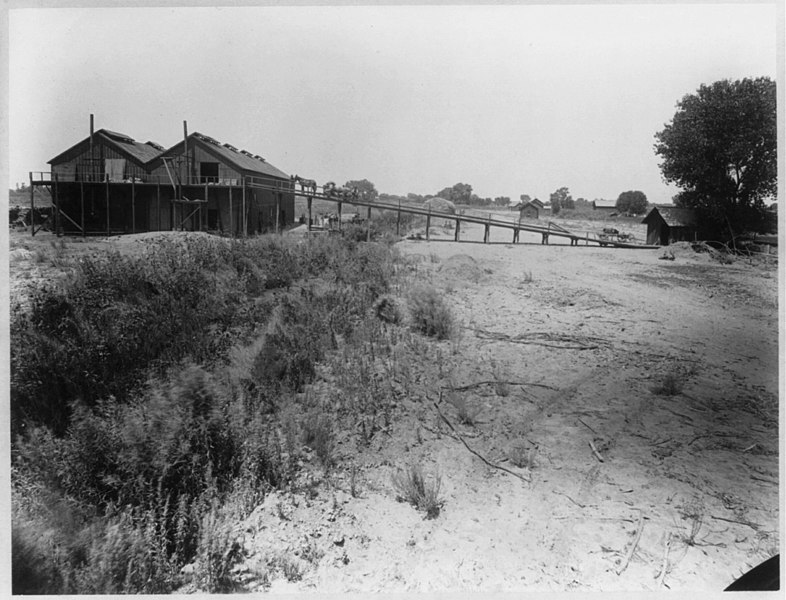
639 528
572 500
587 426
716 434
662 442
765 479
549 340
595 451
674 412
751 524
480 456
469 386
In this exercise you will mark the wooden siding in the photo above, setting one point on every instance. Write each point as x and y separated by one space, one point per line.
83 167
528 212
659 233
197 155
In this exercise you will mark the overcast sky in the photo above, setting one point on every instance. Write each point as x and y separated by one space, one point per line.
510 99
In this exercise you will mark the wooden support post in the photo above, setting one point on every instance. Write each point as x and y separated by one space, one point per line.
458 230
201 219
368 224
32 206
231 214
398 220
340 205
57 203
278 211
107 206
486 229
82 204
133 206
428 225
310 220
158 205
515 235
244 224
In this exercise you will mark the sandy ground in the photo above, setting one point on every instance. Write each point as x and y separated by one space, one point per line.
689 481
607 482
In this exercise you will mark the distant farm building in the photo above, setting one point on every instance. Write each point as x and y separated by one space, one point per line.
109 183
607 207
530 210
667 224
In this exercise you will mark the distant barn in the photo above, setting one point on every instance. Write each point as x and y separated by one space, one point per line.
607 207
667 224
109 183
529 210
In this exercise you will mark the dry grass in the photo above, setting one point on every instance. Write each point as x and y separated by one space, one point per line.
422 491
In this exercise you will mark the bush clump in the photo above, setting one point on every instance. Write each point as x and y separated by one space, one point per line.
148 398
429 313
414 486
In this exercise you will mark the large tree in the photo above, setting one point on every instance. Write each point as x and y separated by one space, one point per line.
560 199
721 149
634 202
461 193
365 188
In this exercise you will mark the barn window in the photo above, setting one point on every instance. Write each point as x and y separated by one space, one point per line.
208 172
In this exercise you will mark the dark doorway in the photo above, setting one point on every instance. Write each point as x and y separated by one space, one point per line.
208 172
212 219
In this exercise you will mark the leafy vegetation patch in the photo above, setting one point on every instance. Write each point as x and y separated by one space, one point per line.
153 399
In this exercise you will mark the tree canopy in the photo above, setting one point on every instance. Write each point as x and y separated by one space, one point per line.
365 188
721 149
560 199
634 202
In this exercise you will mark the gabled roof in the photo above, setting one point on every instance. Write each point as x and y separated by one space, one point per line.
241 160
605 204
137 151
673 216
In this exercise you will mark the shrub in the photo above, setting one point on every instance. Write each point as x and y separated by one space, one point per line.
318 435
413 486
219 550
429 313
466 414
115 492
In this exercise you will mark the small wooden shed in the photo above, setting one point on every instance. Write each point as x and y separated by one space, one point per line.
529 210
667 224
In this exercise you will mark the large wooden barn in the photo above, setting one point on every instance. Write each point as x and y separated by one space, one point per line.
667 224
109 183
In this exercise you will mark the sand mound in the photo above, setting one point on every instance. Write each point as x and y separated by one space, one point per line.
462 266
